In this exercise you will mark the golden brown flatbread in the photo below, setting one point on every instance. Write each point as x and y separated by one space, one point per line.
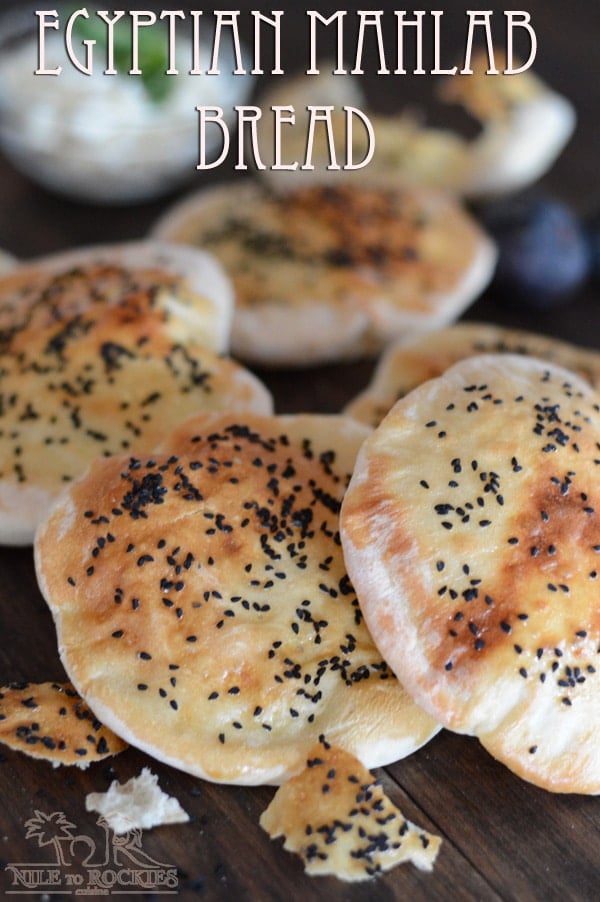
406 364
185 287
471 531
107 381
323 274
525 126
203 607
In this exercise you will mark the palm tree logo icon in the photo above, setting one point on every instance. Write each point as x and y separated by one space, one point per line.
51 830
106 866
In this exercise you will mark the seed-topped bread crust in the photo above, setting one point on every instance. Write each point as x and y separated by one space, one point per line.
102 382
51 721
327 273
471 530
406 364
203 607
337 817
185 286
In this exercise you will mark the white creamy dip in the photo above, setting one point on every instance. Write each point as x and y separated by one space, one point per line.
102 137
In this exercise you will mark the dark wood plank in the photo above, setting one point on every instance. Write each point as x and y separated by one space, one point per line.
529 843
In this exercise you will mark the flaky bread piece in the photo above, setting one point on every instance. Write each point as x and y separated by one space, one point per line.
406 364
471 530
337 817
104 382
138 804
203 607
51 721
186 286
324 274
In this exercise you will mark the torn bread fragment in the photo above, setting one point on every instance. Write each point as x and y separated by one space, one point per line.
336 816
51 721
139 804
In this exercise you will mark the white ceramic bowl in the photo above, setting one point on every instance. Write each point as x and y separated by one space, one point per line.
100 138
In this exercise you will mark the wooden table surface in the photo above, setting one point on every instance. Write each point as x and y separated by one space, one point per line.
503 838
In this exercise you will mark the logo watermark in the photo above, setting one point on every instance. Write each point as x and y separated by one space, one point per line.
116 865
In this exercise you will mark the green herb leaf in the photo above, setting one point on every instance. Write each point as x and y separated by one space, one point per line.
152 51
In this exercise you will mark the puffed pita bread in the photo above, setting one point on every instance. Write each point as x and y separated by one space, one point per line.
103 382
406 364
50 721
405 153
324 274
186 286
202 604
337 817
296 91
525 125
471 530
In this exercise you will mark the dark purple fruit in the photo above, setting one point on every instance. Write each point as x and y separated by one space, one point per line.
592 226
544 256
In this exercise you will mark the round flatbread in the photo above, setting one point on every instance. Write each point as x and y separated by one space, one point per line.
107 381
324 274
524 126
203 607
185 286
471 530
406 364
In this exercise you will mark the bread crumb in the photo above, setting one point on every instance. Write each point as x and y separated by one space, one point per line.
137 804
